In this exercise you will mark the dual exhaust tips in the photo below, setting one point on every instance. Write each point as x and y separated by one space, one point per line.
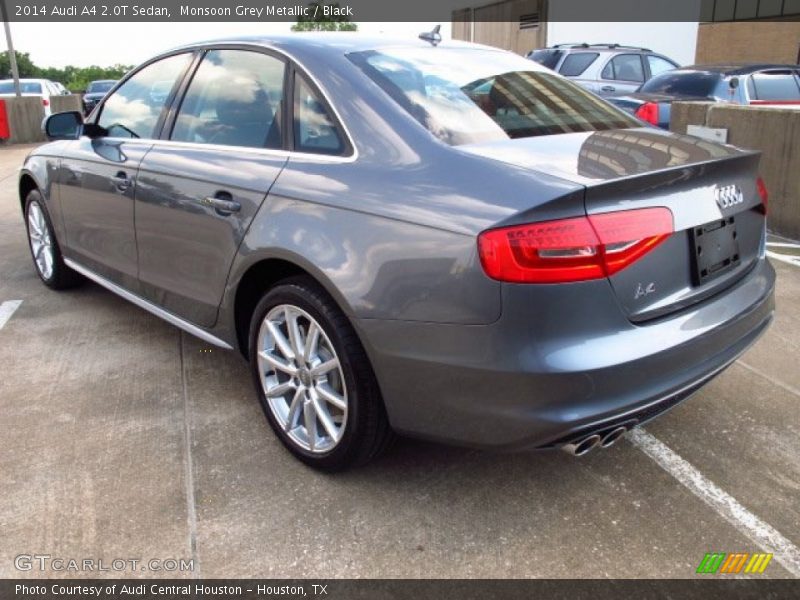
586 444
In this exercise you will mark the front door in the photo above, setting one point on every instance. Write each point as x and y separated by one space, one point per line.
97 178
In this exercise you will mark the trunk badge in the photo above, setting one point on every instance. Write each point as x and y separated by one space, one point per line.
728 196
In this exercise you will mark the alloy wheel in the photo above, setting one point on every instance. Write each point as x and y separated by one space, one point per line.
302 378
40 240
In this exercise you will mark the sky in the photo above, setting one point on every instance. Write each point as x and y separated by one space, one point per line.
84 44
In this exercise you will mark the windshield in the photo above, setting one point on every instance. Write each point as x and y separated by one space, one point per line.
547 57
100 87
466 96
682 83
25 87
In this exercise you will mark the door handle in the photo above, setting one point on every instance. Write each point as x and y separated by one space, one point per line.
121 181
608 88
222 202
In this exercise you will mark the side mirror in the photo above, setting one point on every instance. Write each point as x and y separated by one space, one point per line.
734 83
63 126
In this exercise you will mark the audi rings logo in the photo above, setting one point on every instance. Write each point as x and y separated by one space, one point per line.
728 196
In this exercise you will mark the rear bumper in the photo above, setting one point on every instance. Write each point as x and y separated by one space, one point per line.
552 369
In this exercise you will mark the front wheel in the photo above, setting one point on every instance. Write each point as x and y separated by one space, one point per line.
44 247
314 380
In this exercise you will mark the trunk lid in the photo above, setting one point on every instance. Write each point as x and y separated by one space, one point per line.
709 188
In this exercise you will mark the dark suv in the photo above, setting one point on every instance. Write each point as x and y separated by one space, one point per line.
604 69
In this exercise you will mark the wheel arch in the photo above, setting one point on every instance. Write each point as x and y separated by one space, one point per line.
263 273
27 183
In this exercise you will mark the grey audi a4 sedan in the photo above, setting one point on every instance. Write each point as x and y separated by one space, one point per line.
448 241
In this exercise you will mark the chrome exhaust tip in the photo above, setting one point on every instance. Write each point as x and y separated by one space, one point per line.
582 446
611 437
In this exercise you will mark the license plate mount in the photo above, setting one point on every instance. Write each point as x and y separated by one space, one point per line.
715 250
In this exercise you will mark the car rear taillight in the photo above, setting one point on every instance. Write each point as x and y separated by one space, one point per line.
762 192
577 249
45 102
648 112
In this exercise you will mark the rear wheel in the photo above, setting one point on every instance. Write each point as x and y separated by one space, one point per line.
313 378
47 258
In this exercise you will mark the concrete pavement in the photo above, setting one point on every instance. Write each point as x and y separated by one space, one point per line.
122 437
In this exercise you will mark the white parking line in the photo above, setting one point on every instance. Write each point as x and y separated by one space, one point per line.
765 536
786 258
7 309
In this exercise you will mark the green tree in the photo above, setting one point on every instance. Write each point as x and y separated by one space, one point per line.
24 64
75 79
321 23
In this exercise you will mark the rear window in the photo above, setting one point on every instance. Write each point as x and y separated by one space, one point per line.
547 57
682 83
25 87
575 64
780 85
467 96
100 87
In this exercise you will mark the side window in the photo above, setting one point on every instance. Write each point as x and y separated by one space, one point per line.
576 63
624 67
133 110
235 99
314 128
659 65
776 85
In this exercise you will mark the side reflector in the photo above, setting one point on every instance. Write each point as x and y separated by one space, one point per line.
648 112
578 249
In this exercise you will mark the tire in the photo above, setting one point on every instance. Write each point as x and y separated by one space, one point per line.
45 251
326 408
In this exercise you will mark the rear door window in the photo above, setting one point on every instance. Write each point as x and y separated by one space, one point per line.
624 67
774 85
576 63
235 99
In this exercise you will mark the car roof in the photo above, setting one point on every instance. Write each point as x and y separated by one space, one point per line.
736 69
340 41
599 47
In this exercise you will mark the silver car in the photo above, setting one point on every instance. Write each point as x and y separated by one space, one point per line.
450 241
605 69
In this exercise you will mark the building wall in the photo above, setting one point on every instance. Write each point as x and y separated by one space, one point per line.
675 40
498 24
749 41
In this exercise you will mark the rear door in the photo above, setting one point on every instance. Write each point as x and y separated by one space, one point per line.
201 185
98 176
622 74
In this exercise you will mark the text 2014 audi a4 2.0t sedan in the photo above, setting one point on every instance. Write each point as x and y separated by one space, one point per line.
445 241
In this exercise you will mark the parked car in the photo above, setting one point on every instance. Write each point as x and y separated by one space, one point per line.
604 69
95 92
769 85
451 242
43 88
60 88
